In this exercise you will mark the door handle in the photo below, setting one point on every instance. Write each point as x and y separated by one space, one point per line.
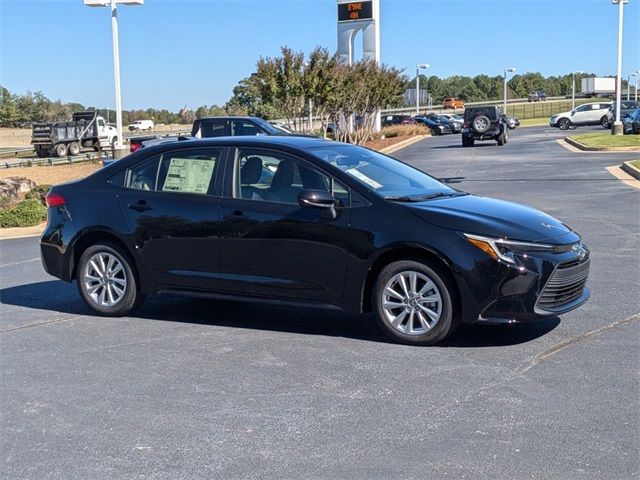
141 206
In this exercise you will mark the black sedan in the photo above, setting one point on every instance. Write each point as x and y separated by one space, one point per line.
437 126
296 220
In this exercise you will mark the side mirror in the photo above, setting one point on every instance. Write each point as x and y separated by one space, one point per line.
316 199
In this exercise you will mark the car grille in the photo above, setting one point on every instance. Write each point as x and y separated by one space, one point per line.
565 285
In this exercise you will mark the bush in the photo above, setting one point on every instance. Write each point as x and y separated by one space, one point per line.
27 213
38 193
401 131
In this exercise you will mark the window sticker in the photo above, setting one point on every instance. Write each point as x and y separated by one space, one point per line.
188 175
362 177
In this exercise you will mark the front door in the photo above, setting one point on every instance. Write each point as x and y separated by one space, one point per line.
270 245
172 211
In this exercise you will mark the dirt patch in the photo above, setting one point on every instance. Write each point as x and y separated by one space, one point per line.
52 175
384 143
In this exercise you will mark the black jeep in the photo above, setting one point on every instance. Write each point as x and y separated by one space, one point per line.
484 123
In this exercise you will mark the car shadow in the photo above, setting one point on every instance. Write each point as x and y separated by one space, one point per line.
63 297
478 145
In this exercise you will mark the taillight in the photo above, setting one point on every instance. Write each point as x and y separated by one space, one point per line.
134 146
54 200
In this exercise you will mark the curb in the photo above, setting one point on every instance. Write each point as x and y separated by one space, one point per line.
405 143
22 232
585 148
630 169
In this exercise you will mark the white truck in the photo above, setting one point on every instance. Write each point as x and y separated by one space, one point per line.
141 125
598 86
86 129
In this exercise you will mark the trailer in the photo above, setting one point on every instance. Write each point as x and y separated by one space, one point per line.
598 86
85 130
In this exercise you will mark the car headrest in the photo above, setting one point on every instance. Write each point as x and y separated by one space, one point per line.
251 171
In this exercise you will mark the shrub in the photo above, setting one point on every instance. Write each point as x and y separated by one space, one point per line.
401 131
27 213
38 193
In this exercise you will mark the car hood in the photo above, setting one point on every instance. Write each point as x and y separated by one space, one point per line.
494 218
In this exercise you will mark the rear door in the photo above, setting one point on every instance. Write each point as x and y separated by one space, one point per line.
172 209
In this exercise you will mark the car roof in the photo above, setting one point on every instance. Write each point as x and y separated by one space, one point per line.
292 141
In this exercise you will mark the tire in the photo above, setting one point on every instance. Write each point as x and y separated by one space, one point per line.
501 139
467 142
121 283
60 150
564 124
74 148
481 124
604 121
414 321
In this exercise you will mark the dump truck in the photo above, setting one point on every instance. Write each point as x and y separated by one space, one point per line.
85 130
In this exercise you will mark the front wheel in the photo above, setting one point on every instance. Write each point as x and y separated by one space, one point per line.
413 303
106 280
564 124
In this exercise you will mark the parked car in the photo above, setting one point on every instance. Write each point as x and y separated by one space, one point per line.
222 126
344 227
626 107
538 96
454 121
512 122
631 122
141 125
452 102
586 114
389 120
484 123
437 126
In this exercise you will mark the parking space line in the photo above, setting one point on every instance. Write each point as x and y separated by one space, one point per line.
37 259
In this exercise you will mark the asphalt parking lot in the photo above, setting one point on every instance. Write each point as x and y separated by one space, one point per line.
201 389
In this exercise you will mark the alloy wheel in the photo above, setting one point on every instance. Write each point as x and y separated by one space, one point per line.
411 303
105 279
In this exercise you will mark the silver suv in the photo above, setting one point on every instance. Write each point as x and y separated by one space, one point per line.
587 114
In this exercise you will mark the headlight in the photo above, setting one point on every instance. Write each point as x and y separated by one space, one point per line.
505 250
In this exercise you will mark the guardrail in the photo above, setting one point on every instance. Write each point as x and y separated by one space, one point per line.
53 161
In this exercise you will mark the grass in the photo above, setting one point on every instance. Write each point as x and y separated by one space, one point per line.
534 122
636 163
605 139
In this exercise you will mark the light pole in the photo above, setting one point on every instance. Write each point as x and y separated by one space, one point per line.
573 88
418 67
509 70
116 60
617 124
634 74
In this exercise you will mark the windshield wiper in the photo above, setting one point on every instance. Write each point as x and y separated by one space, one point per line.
421 198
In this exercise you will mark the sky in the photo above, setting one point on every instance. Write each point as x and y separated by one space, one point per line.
177 53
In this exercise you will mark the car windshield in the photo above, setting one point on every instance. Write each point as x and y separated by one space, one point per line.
270 129
383 175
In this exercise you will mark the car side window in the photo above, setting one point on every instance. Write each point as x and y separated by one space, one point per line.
214 128
276 177
242 127
182 171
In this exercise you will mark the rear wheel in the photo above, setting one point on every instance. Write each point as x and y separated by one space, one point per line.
412 303
74 148
501 139
60 150
106 280
564 124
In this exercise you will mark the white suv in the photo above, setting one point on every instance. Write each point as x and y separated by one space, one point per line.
587 114
141 125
